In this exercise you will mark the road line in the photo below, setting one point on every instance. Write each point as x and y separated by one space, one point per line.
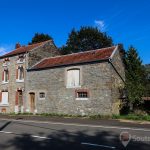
82 125
40 137
6 132
98 145
35 136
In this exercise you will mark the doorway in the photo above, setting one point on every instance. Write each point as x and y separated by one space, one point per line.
20 100
32 102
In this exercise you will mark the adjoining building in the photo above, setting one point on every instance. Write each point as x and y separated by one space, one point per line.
39 80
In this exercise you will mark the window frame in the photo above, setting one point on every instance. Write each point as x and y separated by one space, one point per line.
4 104
4 76
82 98
18 74
66 76
41 98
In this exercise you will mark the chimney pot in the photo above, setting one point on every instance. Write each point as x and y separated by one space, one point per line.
17 45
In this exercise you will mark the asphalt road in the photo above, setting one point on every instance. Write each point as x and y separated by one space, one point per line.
37 135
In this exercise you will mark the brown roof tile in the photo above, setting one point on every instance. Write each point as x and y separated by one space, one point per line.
82 57
22 49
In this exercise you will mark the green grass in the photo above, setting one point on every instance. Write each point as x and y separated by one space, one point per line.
94 117
132 117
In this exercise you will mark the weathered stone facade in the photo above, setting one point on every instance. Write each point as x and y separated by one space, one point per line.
99 78
14 86
45 90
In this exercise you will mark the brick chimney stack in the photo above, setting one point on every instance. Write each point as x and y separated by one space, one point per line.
17 45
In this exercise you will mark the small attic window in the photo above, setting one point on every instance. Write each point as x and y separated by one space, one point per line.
6 62
20 59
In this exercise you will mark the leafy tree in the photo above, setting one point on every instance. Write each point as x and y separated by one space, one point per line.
147 81
87 38
40 37
135 76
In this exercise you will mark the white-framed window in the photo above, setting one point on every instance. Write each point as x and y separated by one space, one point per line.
4 98
73 78
20 59
5 76
82 94
20 74
42 95
6 62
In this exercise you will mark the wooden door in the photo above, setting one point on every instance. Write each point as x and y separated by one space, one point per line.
32 102
20 100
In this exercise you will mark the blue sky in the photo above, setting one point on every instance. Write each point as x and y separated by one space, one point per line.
126 21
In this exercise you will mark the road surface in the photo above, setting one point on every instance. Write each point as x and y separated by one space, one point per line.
40 135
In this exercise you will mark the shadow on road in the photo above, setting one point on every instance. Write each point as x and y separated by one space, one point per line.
65 140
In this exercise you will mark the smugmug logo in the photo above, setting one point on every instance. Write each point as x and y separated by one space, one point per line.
125 138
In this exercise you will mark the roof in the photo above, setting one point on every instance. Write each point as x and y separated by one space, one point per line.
23 49
75 58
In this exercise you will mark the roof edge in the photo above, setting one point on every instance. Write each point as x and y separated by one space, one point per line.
71 64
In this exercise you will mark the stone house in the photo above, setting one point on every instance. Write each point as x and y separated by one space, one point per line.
13 66
36 79
79 84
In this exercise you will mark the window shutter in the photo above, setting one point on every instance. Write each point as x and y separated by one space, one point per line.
0 97
4 97
16 73
76 76
16 101
3 76
8 75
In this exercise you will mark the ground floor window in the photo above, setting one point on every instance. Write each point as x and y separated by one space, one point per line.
4 98
41 95
82 94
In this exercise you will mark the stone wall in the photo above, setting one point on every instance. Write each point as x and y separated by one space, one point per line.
117 81
96 78
12 85
43 51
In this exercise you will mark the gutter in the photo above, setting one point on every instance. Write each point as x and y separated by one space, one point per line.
110 61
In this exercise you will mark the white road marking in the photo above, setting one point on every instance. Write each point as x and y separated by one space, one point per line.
98 145
40 137
82 125
6 132
35 136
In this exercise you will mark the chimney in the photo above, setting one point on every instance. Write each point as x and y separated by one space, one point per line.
17 45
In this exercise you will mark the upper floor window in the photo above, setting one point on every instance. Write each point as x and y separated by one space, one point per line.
73 78
6 62
5 76
20 59
20 73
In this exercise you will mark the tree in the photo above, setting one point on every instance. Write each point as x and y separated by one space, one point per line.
135 76
87 38
40 37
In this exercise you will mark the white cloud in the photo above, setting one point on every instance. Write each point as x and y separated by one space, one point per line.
100 24
5 49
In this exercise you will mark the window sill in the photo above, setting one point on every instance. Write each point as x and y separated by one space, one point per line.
71 87
41 99
20 81
20 62
82 99
6 105
5 82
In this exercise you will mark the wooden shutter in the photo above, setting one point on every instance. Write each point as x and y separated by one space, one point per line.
8 75
16 100
3 76
0 97
16 73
